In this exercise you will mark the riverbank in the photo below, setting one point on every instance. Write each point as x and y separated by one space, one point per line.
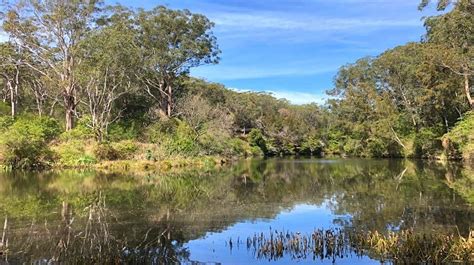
39 143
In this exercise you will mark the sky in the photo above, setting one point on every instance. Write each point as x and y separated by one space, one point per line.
293 48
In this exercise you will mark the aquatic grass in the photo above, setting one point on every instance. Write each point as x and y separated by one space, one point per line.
401 247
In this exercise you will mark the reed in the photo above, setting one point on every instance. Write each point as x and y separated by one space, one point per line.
402 247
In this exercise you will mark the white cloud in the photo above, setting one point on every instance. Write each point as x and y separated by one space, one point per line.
299 98
223 73
294 97
228 21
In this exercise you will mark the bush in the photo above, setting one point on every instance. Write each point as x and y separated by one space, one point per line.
175 137
82 131
4 109
353 147
105 151
24 144
115 151
160 131
122 131
426 144
312 146
182 142
73 153
255 138
125 149
5 123
459 142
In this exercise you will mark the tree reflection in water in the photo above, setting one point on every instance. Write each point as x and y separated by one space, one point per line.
152 216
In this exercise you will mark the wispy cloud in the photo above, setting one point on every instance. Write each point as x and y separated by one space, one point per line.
299 98
294 97
280 21
223 73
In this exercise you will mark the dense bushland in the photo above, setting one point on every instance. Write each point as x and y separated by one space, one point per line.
84 83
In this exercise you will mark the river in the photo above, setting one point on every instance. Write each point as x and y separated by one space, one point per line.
209 216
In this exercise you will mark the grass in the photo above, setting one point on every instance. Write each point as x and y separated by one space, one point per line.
401 247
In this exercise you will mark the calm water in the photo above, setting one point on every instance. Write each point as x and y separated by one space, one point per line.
193 217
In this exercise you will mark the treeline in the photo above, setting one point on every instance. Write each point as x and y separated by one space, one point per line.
118 80
401 102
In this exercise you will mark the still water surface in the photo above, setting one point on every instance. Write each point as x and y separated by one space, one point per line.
195 215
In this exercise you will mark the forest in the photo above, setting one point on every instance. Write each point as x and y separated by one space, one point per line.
84 83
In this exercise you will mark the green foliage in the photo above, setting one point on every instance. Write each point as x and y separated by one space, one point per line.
4 109
74 152
427 143
312 145
24 144
183 141
115 150
175 137
5 122
82 131
379 102
123 131
461 137
105 151
256 139
125 149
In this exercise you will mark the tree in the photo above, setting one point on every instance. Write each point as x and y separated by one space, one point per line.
451 37
172 42
110 58
11 71
50 31
397 70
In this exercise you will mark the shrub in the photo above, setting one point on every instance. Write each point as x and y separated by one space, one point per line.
426 143
255 138
122 131
183 141
105 151
24 144
312 146
353 147
115 151
82 130
4 109
460 140
74 153
125 149
5 123
160 131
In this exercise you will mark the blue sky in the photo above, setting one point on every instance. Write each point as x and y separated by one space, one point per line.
293 48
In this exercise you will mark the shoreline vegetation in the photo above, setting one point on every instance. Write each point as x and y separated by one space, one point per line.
86 84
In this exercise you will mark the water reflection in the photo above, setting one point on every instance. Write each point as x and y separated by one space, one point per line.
191 216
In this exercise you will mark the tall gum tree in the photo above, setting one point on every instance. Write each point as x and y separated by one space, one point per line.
11 72
451 39
51 31
172 42
110 60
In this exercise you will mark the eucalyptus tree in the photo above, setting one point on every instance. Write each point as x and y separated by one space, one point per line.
11 73
397 73
367 115
110 59
451 39
50 31
172 42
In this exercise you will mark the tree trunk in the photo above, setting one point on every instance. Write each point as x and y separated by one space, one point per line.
13 99
467 90
170 100
70 105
